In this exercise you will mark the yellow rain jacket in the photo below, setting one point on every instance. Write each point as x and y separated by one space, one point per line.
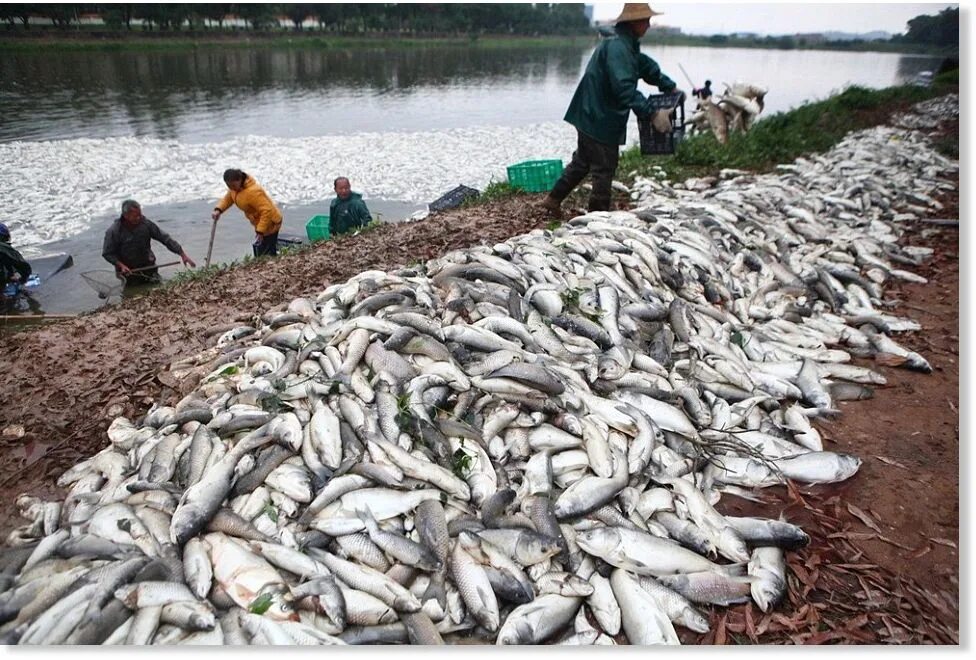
256 205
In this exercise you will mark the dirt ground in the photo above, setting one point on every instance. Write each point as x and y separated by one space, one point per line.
883 564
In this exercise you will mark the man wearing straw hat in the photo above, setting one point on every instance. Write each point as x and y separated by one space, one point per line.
602 104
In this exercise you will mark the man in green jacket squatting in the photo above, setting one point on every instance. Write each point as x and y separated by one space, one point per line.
348 211
602 104
13 267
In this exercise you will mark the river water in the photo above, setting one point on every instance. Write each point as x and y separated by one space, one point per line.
80 132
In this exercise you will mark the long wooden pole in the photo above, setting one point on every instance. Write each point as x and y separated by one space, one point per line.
172 263
37 317
213 232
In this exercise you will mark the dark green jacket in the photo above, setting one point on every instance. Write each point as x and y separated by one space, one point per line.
348 214
608 91
11 262
130 245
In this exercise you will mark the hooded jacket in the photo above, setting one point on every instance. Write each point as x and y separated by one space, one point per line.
348 214
258 208
608 90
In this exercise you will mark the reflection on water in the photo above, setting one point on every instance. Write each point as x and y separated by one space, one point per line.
205 95
208 95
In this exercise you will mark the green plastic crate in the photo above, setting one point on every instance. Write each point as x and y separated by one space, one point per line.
535 175
318 228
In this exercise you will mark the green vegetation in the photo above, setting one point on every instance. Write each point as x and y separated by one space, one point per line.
261 604
781 138
461 463
948 78
803 43
939 31
129 26
494 191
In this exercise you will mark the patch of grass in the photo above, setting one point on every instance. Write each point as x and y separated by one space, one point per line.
494 191
206 273
372 226
950 77
780 138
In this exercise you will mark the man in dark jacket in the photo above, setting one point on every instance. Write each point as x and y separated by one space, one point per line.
127 245
704 92
13 267
348 211
602 104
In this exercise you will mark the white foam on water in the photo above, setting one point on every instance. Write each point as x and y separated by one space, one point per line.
55 189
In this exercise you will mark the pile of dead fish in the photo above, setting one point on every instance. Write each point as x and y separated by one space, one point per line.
735 110
517 444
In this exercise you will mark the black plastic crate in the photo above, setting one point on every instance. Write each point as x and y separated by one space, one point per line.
654 142
453 199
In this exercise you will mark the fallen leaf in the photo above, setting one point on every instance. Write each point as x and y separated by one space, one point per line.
894 543
945 542
891 461
853 536
720 636
784 621
827 636
750 626
864 518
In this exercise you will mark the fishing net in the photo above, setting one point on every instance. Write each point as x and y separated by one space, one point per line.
105 282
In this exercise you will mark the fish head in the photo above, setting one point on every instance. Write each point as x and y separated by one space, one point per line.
598 541
282 609
694 620
538 547
767 594
732 542
610 369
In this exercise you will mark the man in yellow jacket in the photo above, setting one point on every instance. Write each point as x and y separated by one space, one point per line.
258 208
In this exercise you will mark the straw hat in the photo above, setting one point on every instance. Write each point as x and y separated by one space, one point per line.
636 11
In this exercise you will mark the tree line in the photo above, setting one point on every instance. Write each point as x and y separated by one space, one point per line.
939 30
931 32
521 19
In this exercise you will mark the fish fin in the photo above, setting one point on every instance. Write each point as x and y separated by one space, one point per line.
735 570
436 591
366 515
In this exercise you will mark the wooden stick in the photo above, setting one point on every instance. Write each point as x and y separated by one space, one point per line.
172 263
213 232
37 317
